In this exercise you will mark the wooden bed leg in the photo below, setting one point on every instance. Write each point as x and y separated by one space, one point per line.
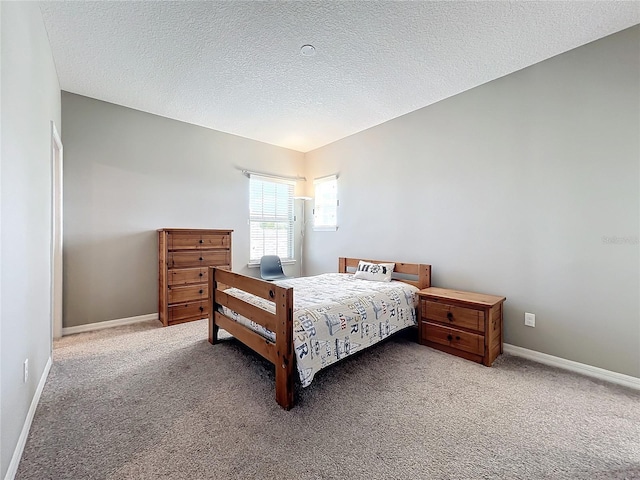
284 349
284 386
213 328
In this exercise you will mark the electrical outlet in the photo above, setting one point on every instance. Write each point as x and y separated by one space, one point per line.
26 370
530 319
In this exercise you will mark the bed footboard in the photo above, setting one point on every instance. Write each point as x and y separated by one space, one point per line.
279 353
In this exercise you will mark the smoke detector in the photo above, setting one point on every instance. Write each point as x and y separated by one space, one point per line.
307 50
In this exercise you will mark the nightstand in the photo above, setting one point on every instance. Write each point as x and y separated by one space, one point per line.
465 324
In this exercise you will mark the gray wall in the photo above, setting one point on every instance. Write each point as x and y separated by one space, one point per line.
514 188
30 101
128 173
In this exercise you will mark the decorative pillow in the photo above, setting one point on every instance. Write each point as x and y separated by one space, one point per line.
378 272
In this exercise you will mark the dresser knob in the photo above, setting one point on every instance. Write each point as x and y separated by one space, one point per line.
201 241
450 316
449 337
200 273
200 258
200 291
202 309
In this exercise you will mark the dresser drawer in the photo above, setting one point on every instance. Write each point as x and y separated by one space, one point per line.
184 241
195 240
189 292
465 341
184 276
453 315
196 258
209 240
188 310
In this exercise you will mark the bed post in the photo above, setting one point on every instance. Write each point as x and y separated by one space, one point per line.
284 347
424 276
213 328
342 265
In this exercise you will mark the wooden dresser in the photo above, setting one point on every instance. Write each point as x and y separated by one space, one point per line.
183 258
465 324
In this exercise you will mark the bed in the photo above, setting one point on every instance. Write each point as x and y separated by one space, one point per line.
334 316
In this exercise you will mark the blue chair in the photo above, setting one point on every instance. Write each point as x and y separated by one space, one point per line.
271 268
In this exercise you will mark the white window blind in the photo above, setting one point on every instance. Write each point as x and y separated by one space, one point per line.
270 218
325 211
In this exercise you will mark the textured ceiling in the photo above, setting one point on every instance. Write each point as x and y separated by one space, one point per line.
236 66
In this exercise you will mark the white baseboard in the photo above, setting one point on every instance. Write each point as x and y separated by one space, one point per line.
22 440
588 370
108 324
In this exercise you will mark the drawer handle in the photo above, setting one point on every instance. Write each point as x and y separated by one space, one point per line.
450 316
200 273
200 258
202 309
449 337
200 291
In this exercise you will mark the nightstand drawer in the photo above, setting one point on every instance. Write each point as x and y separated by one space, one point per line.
465 341
453 315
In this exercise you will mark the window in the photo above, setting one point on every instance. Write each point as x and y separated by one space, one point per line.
270 218
325 211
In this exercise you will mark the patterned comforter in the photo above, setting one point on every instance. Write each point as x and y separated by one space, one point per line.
336 315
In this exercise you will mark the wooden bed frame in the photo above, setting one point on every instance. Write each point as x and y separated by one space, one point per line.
281 352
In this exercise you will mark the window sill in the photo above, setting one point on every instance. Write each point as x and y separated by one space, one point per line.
284 262
332 228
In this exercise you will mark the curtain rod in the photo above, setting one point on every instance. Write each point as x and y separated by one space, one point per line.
325 177
248 173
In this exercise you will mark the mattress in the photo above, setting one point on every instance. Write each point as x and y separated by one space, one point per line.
336 315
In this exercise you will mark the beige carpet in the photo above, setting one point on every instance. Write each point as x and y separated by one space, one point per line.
148 402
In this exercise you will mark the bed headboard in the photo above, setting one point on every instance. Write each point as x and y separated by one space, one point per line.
421 271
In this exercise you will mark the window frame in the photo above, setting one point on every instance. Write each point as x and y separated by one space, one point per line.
290 221
319 184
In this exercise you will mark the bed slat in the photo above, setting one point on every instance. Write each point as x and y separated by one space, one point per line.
255 286
252 312
251 339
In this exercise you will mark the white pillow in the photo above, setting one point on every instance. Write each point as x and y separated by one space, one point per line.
378 272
